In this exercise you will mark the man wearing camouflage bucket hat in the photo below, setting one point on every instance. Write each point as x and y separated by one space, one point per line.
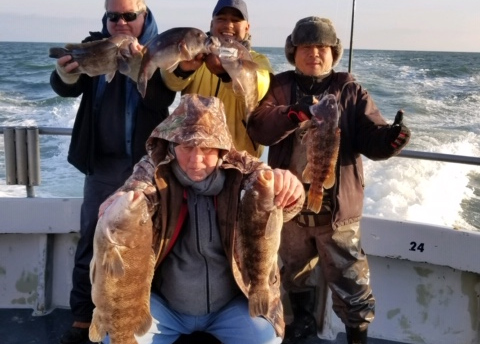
193 171
331 237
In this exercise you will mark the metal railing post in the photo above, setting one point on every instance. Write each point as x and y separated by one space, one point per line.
22 157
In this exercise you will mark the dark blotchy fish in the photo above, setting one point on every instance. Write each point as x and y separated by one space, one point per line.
105 56
322 141
167 50
260 224
121 271
241 68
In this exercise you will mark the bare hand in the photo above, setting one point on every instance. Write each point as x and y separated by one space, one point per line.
193 64
287 187
108 202
65 64
136 50
214 64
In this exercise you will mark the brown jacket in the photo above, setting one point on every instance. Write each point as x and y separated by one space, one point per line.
363 131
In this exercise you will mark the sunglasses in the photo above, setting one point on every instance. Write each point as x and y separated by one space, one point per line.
127 16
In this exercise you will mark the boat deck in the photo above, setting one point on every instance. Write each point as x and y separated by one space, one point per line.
20 326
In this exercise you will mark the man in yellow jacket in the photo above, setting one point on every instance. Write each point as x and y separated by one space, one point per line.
205 75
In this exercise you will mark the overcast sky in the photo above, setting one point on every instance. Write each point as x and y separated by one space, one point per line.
430 25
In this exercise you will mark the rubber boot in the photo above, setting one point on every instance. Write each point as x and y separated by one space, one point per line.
304 324
356 335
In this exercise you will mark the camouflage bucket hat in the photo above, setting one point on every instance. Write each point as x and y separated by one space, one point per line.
197 121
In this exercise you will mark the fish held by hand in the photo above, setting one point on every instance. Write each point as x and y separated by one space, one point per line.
102 57
121 270
322 140
167 50
260 224
239 64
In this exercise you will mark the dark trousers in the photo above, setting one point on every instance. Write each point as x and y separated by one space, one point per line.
343 263
96 189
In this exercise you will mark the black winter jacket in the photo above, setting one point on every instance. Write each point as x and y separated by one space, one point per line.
84 146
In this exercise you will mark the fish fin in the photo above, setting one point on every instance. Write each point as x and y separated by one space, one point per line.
314 201
305 133
307 174
258 301
244 272
142 84
86 45
275 221
330 180
113 263
172 67
56 52
183 50
109 76
123 66
145 323
249 65
95 334
237 87
93 270
144 75
125 52
304 126
328 183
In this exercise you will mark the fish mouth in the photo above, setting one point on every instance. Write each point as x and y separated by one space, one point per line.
265 177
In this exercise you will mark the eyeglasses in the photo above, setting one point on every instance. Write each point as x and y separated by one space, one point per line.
127 16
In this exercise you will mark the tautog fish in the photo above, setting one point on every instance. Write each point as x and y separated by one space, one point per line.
104 56
121 271
238 63
167 50
322 140
260 224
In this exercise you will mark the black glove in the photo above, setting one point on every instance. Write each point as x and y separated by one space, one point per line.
399 134
300 111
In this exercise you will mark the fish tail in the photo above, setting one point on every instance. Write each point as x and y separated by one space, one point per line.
57 52
258 302
315 201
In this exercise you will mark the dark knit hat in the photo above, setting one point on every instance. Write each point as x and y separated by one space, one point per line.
239 5
313 31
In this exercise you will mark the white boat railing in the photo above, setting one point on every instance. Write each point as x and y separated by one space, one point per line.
459 159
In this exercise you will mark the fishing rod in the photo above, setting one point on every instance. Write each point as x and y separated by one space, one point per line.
350 51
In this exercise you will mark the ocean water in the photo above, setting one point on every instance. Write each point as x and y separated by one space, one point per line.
439 92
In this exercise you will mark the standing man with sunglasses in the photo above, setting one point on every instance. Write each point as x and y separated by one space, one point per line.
111 127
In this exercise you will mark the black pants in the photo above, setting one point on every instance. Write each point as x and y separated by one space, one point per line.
96 189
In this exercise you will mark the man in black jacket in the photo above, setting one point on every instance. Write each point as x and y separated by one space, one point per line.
333 235
111 127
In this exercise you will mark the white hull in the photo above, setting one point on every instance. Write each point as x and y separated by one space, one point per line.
429 297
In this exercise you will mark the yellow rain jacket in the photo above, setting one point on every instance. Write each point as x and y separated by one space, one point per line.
204 83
